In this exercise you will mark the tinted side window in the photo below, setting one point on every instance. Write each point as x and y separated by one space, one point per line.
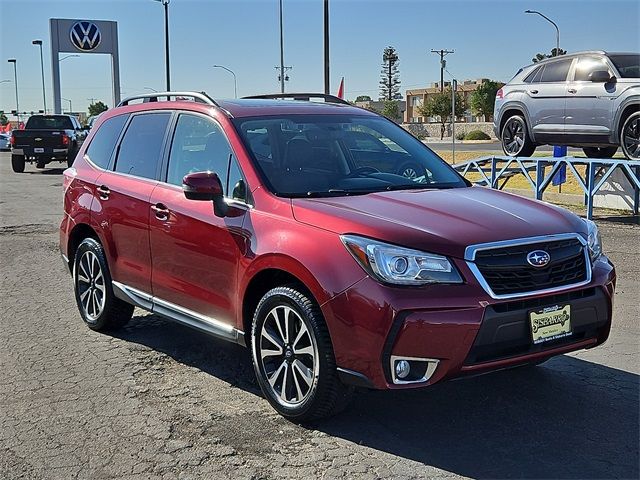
103 142
586 66
556 71
529 78
141 146
198 145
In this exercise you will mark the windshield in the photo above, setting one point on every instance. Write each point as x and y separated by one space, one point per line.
628 65
41 122
333 155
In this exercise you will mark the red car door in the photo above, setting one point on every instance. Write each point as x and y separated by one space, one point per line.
195 254
121 211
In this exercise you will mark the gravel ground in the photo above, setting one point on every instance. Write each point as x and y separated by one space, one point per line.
157 400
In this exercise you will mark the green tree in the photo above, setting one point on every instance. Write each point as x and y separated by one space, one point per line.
97 108
3 119
391 110
541 56
363 98
439 105
484 97
390 75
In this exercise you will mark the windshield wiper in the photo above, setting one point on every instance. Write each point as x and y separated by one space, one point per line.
339 192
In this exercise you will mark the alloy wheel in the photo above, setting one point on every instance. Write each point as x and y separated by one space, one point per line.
409 172
513 136
91 285
289 356
631 137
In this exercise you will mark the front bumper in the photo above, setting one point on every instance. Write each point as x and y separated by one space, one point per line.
459 329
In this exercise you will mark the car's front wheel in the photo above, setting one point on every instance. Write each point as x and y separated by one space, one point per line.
515 138
600 152
630 137
99 307
293 357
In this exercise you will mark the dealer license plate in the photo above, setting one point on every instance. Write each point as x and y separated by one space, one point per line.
550 323
38 150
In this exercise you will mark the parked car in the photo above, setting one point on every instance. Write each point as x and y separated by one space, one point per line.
252 220
46 138
589 100
5 142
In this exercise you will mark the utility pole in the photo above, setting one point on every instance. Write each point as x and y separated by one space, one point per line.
281 52
15 80
443 64
454 87
327 86
165 3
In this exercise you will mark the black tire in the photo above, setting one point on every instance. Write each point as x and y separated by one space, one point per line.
104 311
515 139
326 395
71 156
17 163
411 170
630 136
600 152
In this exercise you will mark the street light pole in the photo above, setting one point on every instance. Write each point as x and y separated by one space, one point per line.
281 52
70 107
166 42
235 80
552 23
15 81
44 94
327 85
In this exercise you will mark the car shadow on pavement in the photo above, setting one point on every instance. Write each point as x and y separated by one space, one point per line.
222 359
47 171
567 418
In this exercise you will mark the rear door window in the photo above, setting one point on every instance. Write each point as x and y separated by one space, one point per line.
531 77
556 71
141 147
104 141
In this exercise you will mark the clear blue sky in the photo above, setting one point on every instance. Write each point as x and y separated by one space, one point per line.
491 39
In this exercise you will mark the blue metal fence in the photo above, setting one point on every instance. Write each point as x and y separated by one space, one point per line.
496 171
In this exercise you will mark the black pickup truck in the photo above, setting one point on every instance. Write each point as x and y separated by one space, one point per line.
46 138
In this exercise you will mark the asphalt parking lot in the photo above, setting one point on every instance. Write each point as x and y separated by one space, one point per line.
157 400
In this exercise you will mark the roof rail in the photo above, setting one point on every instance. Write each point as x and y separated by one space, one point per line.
301 96
200 97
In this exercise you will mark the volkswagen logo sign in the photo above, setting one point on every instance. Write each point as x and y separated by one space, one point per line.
538 258
85 36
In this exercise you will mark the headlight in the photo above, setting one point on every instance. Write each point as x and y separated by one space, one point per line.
398 265
594 242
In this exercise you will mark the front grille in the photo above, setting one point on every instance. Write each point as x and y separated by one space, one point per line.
507 271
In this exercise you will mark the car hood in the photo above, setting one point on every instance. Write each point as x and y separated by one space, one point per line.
439 221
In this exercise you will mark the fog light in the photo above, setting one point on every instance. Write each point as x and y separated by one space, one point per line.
402 369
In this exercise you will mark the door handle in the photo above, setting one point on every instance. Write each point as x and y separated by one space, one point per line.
104 192
572 90
533 92
161 211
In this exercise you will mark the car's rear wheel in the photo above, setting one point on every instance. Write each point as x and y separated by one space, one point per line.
515 138
600 152
293 357
630 137
17 163
99 307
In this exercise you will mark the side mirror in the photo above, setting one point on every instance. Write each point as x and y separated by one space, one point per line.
205 186
600 76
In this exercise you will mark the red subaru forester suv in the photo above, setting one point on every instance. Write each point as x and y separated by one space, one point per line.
336 246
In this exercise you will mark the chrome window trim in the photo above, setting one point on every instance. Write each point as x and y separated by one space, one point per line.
470 256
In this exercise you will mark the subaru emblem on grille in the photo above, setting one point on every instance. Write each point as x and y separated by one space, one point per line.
538 258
